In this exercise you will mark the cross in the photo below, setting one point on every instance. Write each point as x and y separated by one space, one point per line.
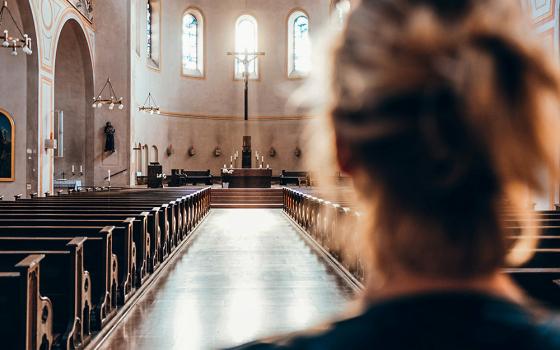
246 58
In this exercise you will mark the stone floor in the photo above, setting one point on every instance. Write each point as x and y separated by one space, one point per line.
248 274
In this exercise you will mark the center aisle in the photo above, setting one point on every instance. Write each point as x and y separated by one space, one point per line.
247 274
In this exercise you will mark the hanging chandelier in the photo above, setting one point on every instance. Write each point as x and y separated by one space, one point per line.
23 42
112 101
150 105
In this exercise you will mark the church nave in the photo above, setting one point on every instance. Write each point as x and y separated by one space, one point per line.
247 273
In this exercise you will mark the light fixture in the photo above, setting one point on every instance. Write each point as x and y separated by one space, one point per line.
14 43
112 101
150 105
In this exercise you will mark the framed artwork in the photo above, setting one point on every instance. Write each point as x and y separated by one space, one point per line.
7 147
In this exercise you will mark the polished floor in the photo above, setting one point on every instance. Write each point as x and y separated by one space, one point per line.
247 274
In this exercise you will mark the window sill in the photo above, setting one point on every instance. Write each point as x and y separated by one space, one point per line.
153 64
193 74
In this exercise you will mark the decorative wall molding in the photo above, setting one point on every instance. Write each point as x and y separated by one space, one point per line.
231 117
50 16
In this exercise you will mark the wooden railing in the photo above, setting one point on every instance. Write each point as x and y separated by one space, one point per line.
332 226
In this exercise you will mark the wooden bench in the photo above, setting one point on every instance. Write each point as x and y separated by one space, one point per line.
199 177
293 177
118 254
123 244
141 235
162 233
63 280
99 261
26 316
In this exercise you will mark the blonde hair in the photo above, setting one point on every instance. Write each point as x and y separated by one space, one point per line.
447 109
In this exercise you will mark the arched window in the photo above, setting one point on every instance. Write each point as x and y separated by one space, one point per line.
153 32
341 11
299 45
246 40
193 54
149 26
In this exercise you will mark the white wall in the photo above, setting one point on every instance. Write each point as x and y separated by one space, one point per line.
218 98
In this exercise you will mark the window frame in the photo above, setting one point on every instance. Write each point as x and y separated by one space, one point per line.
199 73
339 21
153 56
293 15
255 75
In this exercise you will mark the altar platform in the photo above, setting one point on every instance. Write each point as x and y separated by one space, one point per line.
248 178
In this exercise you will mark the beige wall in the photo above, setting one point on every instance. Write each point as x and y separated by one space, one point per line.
13 92
218 94
112 59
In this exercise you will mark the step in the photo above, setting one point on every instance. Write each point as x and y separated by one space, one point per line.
245 206
246 197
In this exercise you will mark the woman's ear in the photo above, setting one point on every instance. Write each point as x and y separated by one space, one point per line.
344 156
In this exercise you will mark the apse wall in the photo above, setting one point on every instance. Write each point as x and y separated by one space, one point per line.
13 99
206 113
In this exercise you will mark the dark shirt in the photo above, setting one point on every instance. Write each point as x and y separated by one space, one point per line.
458 321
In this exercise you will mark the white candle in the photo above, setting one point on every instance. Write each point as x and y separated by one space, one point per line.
262 159
231 158
73 168
81 169
109 177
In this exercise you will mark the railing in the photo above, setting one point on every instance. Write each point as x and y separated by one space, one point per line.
332 226
115 174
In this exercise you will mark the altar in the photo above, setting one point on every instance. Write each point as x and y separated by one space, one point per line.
248 178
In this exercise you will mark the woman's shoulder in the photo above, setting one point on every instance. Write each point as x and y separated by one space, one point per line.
434 322
548 331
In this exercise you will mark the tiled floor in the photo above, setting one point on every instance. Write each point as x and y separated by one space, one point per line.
248 274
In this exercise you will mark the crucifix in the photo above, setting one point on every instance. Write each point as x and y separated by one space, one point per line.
246 58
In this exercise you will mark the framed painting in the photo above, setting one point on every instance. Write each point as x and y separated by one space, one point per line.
7 147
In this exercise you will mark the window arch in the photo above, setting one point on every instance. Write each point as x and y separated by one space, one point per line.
299 45
246 40
341 10
193 43
153 32
149 28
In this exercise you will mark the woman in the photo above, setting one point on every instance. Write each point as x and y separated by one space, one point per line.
442 113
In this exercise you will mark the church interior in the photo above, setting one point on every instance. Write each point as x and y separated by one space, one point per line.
165 184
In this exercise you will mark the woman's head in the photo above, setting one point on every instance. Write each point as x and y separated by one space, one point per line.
441 112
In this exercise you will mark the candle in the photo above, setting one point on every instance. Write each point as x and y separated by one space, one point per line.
231 158
109 177
81 169
262 159
73 168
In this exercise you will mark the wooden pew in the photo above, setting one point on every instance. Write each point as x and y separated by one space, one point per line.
99 261
294 177
63 280
141 235
26 316
122 244
154 227
134 208
199 176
